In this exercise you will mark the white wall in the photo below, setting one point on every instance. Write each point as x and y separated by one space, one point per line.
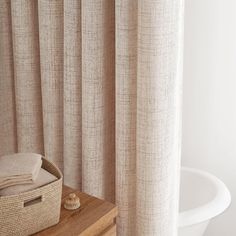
209 104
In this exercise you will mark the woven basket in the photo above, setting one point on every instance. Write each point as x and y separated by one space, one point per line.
32 211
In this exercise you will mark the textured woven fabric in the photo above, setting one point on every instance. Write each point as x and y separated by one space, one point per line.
20 168
44 177
95 86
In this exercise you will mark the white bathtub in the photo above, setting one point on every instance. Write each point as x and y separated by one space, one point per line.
202 197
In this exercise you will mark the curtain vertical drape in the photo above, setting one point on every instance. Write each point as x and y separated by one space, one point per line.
95 86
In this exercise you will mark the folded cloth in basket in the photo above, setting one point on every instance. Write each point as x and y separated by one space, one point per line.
19 168
44 178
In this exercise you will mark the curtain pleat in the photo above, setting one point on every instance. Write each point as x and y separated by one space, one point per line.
27 76
8 137
126 94
95 86
98 98
51 65
156 164
72 94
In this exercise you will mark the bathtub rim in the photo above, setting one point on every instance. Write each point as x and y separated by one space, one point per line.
215 207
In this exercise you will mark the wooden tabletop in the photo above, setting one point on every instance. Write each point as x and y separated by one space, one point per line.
94 217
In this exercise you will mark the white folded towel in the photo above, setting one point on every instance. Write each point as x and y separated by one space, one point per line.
44 178
19 168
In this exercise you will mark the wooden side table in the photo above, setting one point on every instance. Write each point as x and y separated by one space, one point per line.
95 217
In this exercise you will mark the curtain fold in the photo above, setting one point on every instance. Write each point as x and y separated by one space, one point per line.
51 40
156 118
95 86
8 134
98 97
27 79
72 94
126 95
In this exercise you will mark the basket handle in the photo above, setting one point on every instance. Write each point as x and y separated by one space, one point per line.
33 201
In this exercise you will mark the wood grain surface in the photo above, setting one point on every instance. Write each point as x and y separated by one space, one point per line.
95 217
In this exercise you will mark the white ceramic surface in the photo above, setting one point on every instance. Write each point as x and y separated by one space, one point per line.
202 197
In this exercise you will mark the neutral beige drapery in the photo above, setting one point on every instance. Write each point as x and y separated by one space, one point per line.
95 85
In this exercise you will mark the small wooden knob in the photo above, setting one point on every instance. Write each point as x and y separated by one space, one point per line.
72 202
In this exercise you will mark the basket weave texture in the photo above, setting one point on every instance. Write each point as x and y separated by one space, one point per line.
32 211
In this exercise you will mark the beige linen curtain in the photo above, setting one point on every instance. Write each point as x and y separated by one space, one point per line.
95 85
